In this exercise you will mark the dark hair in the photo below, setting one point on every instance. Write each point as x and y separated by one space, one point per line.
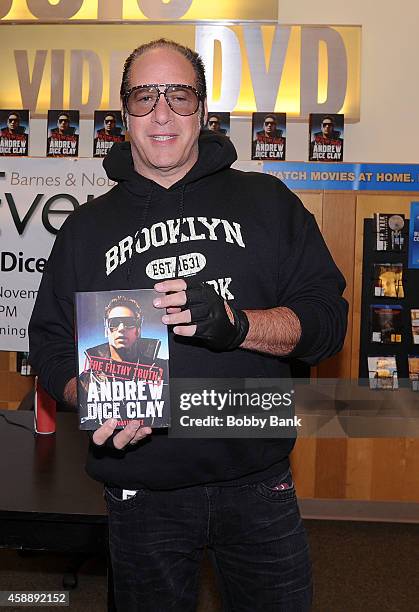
122 300
192 57
109 115
211 115
63 114
271 116
330 119
14 113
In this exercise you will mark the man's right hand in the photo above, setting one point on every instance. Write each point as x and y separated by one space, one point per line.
131 434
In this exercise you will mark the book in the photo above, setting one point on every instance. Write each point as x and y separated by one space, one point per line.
388 280
269 136
413 361
122 350
383 372
386 323
414 318
14 133
108 129
389 231
414 235
63 133
219 123
326 137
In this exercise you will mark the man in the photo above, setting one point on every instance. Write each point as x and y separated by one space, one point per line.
63 128
123 320
125 345
262 285
13 129
214 124
270 128
269 142
13 137
110 132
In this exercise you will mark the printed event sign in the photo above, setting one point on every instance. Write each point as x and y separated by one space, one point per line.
36 196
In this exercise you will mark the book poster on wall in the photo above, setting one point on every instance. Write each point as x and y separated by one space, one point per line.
219 123
63 133
14 133
108 129
326 137
269 136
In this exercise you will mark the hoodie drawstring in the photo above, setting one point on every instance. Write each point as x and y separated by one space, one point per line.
142 225
137 234
180 214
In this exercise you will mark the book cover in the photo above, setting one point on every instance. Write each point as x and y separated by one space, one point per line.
414 318
326 137
14 133
388 280
414 235
389 231
414 371
122 350
108 129
386 323
63 133
219 123
269 136
383 372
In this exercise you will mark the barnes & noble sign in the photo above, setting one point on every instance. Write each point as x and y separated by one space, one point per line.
252 62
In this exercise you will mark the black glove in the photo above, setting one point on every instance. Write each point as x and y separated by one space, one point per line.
209 315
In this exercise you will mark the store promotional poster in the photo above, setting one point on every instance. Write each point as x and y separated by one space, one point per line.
36 196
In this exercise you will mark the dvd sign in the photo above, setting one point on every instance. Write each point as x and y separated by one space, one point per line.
319 74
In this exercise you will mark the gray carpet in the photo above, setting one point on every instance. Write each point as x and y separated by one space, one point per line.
358 567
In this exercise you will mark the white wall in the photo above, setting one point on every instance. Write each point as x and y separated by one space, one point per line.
389 126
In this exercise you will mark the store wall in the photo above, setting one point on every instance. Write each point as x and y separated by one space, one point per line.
388 130
389 127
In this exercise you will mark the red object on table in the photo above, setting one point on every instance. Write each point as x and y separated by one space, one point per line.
45 411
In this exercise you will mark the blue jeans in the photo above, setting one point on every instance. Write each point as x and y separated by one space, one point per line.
255 532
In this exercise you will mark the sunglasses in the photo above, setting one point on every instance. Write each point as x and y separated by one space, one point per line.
127 322
142 99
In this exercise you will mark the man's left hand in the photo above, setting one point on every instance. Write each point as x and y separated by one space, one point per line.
196 309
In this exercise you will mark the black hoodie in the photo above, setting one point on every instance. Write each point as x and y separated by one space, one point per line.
247 235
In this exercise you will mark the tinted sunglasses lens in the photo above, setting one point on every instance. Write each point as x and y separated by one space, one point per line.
141 101
127 322
182 100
